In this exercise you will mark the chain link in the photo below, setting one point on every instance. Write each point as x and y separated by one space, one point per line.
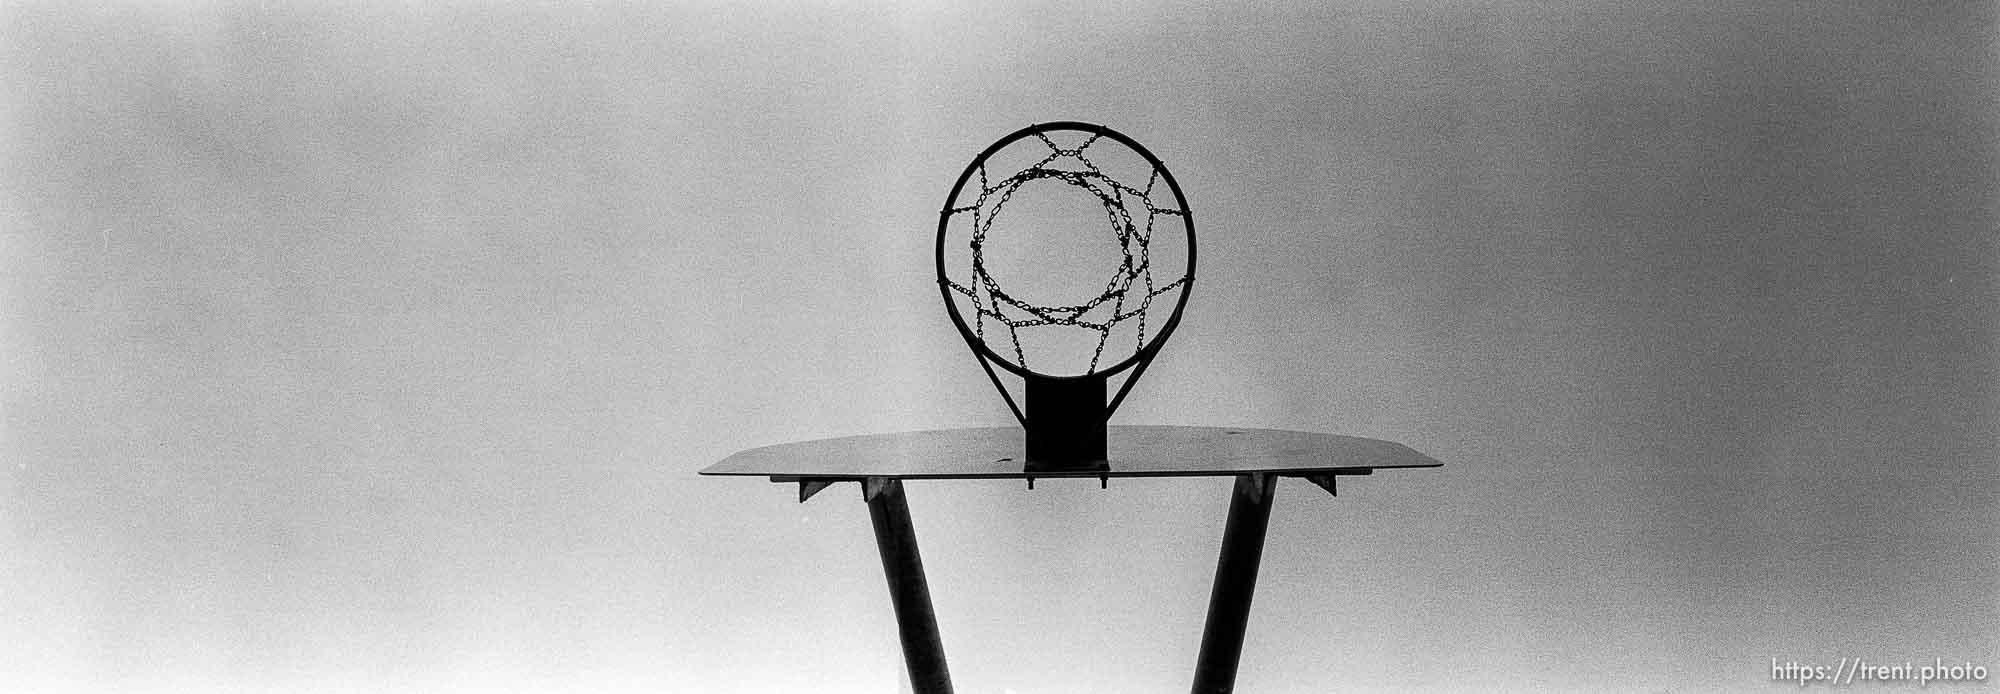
1133 244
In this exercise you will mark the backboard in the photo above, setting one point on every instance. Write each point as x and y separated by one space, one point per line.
1135 451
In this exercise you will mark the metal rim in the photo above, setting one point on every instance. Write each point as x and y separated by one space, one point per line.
1144 353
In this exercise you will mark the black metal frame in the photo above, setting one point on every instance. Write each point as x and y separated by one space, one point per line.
1228 601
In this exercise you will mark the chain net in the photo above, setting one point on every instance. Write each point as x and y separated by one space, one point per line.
1127 296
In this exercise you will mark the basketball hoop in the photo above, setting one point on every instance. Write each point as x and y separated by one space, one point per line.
1152 230
1062 316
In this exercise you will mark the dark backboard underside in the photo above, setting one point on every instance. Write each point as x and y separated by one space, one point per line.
1134 451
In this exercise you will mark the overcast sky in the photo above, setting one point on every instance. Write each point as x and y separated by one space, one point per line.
373 346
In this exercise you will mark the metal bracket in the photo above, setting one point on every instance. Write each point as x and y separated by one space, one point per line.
1326 480
807 488
1103 482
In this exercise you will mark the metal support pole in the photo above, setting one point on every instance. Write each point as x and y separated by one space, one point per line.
909 593
1235 580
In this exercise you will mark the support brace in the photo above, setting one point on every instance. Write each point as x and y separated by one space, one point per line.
909 593
1228 601
1235 581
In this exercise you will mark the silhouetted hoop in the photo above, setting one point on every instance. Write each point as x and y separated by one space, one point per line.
1149 345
